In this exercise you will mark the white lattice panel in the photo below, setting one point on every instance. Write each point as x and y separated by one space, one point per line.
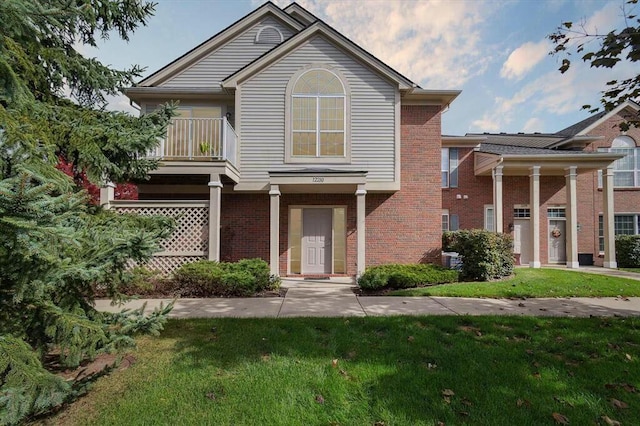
192 230
190 240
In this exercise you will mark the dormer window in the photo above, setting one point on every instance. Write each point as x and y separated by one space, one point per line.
269 35
318 111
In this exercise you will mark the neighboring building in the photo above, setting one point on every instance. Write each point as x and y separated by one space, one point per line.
555 193
295 145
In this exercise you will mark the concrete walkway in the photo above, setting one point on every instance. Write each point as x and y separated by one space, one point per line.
336 299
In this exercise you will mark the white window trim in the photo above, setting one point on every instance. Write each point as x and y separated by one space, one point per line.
489 225
266 27
624 142
445 214
289 157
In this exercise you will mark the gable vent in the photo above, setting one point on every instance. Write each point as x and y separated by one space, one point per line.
269 35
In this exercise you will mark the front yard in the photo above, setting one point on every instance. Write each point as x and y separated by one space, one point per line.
375 371
542 282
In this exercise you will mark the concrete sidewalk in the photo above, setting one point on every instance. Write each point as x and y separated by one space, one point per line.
336 299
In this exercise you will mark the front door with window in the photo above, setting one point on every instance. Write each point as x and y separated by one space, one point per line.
316 241
557 241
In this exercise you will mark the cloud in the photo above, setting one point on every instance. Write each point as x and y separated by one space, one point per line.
533 124
524 58
436 44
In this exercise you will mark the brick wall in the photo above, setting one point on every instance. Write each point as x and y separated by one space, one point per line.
405 226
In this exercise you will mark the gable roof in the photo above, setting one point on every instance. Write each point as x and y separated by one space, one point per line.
588 124
218 40
318 28
300 13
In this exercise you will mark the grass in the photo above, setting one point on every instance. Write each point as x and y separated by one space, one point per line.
387 371
536 283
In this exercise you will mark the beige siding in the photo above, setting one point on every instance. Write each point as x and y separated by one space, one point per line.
210 70
263 115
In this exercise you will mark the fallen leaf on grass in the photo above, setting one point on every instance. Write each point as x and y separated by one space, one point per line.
628 356
560 418
525 402
334 363
448 392
380 423
211 396
619 404
626 386
319 399
266 357
610 421
410 338
536 375
463 413
466 402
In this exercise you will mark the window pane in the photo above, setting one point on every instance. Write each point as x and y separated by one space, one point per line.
600 233
624 225
488 219
332 144
295 240
556 212
445 222
331 114
304 113
622 178
304 143
319 82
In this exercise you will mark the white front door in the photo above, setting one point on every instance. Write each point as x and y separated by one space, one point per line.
557 241
316 241
522 240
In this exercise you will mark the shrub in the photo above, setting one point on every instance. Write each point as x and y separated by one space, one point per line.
628 251
208 278
485 255
405 276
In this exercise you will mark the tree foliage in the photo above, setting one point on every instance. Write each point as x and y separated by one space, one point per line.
605 50
55 247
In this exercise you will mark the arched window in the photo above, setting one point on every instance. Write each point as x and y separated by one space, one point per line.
626 169
269 35
318 117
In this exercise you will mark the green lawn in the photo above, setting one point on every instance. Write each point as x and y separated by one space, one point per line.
536 283
387 371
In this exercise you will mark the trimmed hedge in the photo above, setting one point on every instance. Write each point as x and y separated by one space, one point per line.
405 276
628 251
485 255
208 278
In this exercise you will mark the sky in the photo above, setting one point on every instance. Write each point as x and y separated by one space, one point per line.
495 51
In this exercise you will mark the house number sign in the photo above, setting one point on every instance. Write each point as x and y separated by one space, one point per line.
317 179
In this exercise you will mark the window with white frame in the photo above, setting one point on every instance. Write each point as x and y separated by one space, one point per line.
623 224
449 222
489 218
449 167
318 116
626 171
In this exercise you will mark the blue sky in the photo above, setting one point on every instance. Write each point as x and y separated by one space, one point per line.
495 51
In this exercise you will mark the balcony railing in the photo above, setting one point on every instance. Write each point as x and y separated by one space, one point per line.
198 139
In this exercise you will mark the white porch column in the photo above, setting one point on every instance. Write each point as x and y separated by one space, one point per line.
607 219
534 205
572 217
361 229
215 191
274 234
107 195
497 199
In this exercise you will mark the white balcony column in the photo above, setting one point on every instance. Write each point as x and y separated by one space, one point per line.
107 195
572 217
498 222
608 219
361 206
534 204
215 191
274 235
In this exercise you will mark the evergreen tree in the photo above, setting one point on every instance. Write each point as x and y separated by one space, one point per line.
55 247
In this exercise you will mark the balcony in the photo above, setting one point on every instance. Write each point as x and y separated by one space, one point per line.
198 139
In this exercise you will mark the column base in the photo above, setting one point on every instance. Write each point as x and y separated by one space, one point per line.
573 265
535 265
610 265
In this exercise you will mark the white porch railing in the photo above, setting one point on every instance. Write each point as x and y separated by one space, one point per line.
198 139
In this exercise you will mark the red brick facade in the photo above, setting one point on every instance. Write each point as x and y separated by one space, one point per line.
479 190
